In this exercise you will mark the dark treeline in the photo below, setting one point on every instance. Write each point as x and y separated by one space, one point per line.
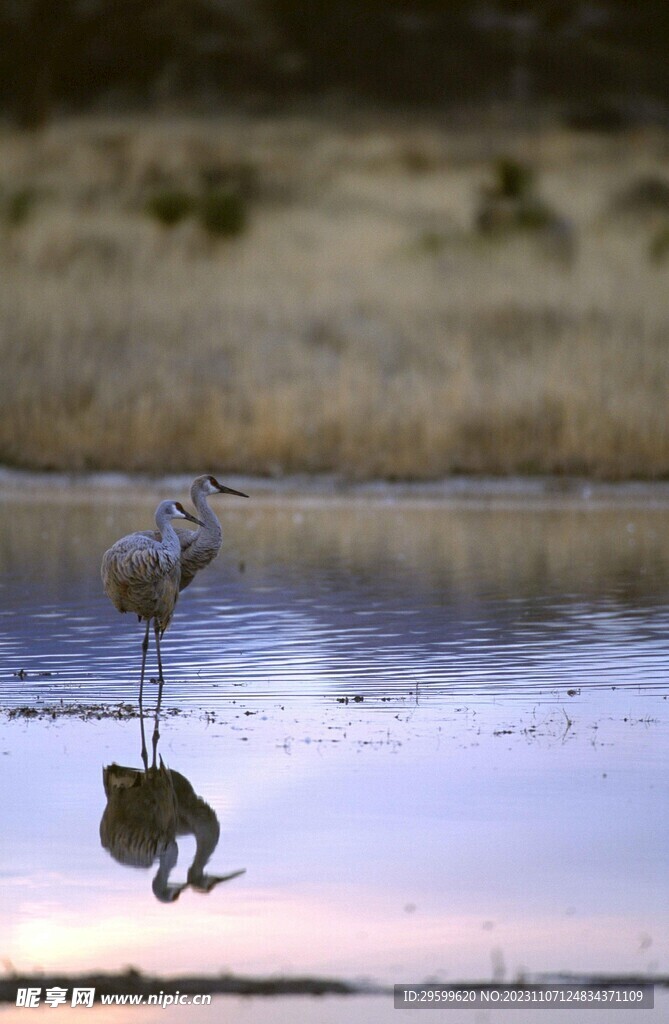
76 54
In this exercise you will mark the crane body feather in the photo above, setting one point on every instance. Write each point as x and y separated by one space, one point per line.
141 573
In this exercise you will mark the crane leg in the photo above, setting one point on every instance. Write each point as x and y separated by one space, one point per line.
145 647
161 680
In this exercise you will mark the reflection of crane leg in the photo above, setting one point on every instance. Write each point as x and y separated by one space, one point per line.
145 761
145 647
154 741
161 680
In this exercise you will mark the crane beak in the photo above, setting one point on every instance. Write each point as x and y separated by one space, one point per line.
187 515
229 490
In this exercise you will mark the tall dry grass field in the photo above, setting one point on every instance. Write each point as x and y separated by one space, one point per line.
359 324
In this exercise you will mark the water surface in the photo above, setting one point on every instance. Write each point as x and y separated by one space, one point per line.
434 735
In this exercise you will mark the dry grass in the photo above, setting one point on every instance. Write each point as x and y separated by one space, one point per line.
358 325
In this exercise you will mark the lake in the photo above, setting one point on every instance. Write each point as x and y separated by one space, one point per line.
432 733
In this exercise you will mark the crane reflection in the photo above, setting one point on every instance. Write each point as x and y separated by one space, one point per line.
148 809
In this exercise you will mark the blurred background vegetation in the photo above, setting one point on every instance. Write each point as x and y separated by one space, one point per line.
397 238
607 59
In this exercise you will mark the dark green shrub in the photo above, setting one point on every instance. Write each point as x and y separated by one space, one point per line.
513 179
534 214
223 212
647 197
19 205
170 206
658 250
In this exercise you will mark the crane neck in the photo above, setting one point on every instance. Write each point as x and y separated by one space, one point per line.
212 525
169 536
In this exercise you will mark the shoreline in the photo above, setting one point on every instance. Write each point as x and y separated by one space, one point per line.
133 981
536 491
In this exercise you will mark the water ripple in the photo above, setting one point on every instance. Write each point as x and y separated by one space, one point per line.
289 649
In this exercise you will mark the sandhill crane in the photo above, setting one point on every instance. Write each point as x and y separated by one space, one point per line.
141 574
200 547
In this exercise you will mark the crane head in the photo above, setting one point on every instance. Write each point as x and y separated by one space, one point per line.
179 512
215 488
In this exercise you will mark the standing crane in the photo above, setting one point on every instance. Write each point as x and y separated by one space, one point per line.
141 574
